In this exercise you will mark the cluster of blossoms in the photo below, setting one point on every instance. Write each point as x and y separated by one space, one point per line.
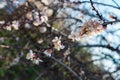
33 17
15 25
39 18
48 52
89 29
32 57
57 43
35 59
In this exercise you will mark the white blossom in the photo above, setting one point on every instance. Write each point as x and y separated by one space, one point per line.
30 55
27 25
2 22
36 23
15 25
44 19
57 43
40 41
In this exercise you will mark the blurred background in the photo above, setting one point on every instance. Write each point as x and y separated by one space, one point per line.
32 25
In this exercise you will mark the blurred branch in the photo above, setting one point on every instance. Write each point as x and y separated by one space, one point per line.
69 17
116 3
67 67
103 46
45 71
110 22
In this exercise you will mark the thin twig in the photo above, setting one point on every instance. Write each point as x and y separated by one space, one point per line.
102 4
97 12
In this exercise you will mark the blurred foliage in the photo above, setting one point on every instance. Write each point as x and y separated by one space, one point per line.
25 69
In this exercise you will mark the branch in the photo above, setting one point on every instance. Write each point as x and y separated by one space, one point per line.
97 3
67 67
110 22
103 46
97 13
45 71
116 3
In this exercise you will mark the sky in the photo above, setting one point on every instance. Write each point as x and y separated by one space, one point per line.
112 38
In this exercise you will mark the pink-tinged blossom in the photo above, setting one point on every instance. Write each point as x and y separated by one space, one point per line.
44 19
89 28
48 52
31 56
57 43
36 61
29 16
8 27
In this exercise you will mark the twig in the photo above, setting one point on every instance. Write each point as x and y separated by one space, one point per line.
97 13
82 2
110 22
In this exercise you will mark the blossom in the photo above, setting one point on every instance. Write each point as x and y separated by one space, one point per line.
27 25
36 23
44 19
15 25
30 55
40 41
36 61
89 29
67 52
2 22
48 52
8 27
29 16
57 43
72 36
